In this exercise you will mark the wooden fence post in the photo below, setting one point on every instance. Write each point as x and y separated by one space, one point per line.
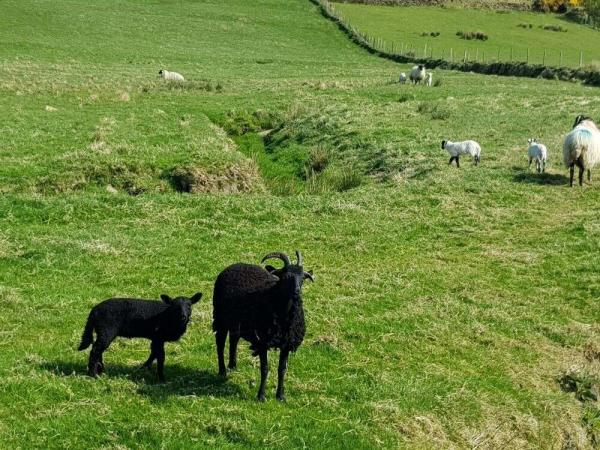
527 55
581 58
465 60
561 59
544 58
451 55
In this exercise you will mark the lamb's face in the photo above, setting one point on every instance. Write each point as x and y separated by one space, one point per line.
444 145
181 307
161 73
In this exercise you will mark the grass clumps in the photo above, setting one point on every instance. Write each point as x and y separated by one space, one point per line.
430 33
526 25
557 28
435 110
470 35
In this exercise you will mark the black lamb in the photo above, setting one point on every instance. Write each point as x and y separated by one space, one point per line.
128 317
264 307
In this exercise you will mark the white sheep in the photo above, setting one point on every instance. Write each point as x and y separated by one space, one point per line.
418 74
455 149
170 76
402 79
581 148
537 152
429 79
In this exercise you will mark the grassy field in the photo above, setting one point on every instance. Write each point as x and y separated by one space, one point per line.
404 26
448 304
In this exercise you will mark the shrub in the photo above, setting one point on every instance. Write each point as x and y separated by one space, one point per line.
558 28
470 35
560 6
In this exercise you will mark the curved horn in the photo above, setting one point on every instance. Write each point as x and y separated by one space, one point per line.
279 255
309 275
298 257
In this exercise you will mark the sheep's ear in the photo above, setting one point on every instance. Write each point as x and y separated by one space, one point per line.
165 298
196 297
269 268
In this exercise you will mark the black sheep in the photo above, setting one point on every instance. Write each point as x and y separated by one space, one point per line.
128 317
264 307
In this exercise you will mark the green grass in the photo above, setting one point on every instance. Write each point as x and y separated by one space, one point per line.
447 305
403 26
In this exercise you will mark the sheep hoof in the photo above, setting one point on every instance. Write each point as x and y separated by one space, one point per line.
223 373
281 397
261 398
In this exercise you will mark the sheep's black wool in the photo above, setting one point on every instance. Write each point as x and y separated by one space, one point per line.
127 317
264 307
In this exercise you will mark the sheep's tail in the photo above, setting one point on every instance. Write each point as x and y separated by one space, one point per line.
88 333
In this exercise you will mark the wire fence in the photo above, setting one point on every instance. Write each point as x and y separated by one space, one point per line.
555 58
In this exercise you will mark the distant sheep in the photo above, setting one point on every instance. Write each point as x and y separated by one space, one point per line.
418 74
264 307
581 148
170 76
537 152
429 79
127 317
455 149
402 79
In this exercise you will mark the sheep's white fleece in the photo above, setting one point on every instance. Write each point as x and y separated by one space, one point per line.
583 140
171 76
463 148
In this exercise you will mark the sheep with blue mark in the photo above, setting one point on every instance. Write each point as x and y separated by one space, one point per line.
581 148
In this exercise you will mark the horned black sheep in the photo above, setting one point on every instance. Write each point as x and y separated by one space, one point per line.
264 307
128 317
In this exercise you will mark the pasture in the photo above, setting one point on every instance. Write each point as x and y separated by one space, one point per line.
448 303
511 35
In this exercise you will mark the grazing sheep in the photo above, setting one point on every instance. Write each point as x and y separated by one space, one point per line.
128 317
402 79
418 74
429 79
170 76
264 307
455 149
537 152
581 148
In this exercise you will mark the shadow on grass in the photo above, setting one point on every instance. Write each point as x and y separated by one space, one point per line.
181 381
539 178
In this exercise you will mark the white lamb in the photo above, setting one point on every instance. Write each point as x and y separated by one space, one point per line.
418 74
581 148
402 79
455 149
170 76
537 152
429 79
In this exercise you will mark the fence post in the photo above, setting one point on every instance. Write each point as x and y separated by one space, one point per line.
544 58
442 57
511 54
465 60
476 54
498 59
561 59
451 55
483 57
425 51
527 55
581 58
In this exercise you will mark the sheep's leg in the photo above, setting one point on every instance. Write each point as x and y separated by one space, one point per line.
581 170
571 173
589 175
457 162
264 371
530 161
151 358
221 337
451 159
233 343
159 351
281 370
95 364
